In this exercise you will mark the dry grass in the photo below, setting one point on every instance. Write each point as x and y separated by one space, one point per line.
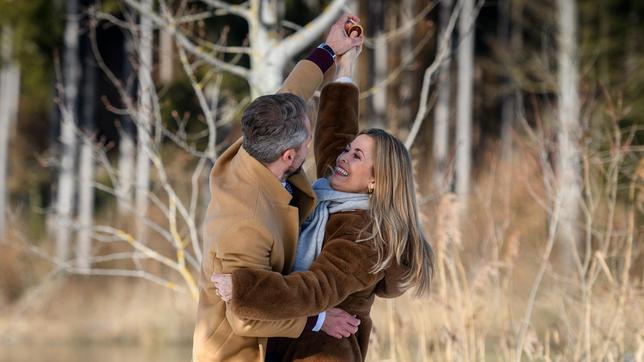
488 256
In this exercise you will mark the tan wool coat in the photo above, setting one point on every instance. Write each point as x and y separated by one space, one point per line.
250 224
340 276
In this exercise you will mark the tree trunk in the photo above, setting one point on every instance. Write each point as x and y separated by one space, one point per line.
464 109
65 194
127 147
144 121
442 109
86 163
378 117
166 57
408 75
568 168
9 94
269 52
267 65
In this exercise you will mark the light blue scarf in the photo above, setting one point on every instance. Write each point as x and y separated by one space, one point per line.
312 230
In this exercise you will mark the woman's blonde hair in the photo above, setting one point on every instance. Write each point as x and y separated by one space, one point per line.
395 226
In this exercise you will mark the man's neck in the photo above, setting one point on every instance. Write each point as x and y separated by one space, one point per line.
277 170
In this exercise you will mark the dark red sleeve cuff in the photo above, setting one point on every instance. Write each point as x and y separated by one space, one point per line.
321 58
310 323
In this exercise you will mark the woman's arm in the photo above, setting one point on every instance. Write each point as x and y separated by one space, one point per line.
337 122
342 268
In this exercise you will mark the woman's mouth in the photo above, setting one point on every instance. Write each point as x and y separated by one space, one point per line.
341 172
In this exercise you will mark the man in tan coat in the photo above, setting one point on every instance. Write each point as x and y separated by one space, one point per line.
259 197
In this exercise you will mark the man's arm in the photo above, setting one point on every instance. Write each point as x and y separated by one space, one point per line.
246 244
319 67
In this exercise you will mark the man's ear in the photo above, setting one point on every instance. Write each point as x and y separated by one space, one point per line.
288 156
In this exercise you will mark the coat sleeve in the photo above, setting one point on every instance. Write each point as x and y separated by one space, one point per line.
303 80
342 268
337 124
244 244
389 285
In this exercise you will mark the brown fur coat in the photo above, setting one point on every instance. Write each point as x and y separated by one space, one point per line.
340 276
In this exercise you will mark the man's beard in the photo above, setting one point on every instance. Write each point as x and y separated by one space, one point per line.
290 173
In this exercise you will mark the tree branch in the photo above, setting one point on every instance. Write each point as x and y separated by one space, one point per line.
238 10
187 44
297 41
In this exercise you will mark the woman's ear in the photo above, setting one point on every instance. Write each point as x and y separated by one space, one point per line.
372 185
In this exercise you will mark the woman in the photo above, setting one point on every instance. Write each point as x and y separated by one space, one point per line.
364 238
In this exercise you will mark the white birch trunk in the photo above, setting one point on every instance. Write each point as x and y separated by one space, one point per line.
127 146
9 95
166 57
464 99
86 169
269 53
442 109
65 194
379 99
144 121
568 167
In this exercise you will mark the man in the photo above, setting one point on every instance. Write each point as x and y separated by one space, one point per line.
259 197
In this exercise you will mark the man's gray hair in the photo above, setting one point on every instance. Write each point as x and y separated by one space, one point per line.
272 124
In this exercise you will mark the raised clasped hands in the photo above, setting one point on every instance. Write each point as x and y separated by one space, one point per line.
338 39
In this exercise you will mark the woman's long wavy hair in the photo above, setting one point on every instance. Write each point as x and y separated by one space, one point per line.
395 227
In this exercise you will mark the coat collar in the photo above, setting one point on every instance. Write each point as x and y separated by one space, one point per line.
260 175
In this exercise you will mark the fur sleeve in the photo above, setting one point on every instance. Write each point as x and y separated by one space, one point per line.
389 286
337 124
342 268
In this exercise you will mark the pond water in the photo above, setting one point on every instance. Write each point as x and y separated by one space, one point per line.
94 353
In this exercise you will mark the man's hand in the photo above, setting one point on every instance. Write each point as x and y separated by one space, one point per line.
339 323
338 39
224 285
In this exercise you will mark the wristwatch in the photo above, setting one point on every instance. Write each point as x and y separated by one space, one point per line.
329 50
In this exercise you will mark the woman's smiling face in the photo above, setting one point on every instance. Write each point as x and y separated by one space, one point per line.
353 171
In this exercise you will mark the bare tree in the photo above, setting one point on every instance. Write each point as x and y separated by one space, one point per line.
86 167
442 110
65 192
568 167
9 93
166 57
407 86
144 121
464 99
269 52
127 146
378 65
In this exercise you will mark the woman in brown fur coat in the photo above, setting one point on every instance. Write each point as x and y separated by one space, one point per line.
364 238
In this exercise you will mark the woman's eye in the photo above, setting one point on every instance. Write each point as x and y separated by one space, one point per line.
356 156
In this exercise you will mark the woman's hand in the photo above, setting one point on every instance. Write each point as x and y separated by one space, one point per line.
338 39
224 285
